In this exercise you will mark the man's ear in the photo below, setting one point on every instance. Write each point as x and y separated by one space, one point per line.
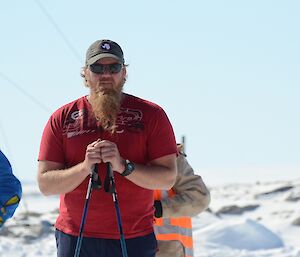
83 72
84 75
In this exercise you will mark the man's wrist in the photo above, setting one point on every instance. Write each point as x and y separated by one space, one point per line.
121 167
84 169
128 168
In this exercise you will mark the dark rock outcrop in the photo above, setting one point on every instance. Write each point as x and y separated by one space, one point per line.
276 190
236 210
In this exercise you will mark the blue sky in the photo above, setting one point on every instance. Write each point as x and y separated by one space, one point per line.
226 73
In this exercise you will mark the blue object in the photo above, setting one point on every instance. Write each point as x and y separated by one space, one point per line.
10 190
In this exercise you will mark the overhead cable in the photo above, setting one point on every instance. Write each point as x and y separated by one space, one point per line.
31 97
68 43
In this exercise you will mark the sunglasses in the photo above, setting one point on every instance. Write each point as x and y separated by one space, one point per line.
102 68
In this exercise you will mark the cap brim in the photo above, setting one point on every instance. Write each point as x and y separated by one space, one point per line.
101 56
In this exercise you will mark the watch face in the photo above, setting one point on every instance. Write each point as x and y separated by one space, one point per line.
130 166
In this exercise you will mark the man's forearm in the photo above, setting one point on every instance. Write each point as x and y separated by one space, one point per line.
61 181
153 176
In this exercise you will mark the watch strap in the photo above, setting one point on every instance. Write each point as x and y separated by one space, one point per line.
129 168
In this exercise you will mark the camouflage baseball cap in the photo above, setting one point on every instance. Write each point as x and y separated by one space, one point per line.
104 48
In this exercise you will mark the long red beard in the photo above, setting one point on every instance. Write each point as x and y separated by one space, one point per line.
106 105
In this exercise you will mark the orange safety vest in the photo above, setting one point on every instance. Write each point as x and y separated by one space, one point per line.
179 229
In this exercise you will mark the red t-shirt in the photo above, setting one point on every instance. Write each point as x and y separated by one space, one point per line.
144 133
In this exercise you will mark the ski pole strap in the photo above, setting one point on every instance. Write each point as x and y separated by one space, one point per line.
96 181
109 182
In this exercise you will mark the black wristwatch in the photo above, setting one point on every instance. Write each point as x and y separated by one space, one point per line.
129 168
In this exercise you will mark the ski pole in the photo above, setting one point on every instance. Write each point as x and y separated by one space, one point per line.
94 176
112 189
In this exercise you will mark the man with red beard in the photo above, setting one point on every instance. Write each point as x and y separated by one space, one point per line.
108 125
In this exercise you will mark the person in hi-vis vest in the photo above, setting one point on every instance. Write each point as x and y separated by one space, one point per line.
174 209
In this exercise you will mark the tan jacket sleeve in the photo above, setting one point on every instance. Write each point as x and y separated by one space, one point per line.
192 196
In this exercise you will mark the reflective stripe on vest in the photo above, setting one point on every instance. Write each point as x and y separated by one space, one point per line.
179 229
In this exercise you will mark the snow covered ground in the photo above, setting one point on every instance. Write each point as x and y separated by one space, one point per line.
244 220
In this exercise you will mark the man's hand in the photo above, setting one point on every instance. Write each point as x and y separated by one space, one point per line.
107 151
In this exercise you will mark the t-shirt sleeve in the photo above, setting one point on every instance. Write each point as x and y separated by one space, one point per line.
161 140
51 146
